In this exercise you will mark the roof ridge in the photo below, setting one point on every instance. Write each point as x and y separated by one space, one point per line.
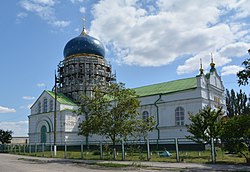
164 82
167 87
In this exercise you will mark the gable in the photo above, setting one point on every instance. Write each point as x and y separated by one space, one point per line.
61 98
167 87
215 80
37 99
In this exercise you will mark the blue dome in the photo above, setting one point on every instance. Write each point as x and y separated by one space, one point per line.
84 44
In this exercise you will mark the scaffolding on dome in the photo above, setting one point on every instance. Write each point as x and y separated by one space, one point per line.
79 75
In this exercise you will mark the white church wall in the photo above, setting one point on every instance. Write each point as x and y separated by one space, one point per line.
69 107
96 138
71 122
147 100
150 108
169 97
173 132
182 95
215 80
167 126
36 121
167 111
203 81
204 93
190 100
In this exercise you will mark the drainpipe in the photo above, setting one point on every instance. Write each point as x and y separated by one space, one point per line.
157 117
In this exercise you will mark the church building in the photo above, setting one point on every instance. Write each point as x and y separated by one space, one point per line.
84 66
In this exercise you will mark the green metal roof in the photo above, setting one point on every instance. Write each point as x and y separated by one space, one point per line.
61 98
167 87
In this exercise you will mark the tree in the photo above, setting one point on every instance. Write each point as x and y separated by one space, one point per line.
237 103
111 113
143 127
5 136
230 102
235 135
244 74
205 125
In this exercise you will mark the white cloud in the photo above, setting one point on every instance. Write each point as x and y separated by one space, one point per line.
82 10
140 35
230 70
28 97
238 49
19 128
76 1
6 110
193 63
40 85
61 23
22 15
26 106
77 30
45 2
45 10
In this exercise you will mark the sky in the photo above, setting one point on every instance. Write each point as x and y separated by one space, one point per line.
146 41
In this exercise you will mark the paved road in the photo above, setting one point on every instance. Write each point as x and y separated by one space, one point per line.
15 163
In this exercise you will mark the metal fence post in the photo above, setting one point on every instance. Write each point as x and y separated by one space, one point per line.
24 147
177 150
81 151
35 148
101 150
148 150
19 148
123 150
29 148
43 148
65 151
212 150
51 150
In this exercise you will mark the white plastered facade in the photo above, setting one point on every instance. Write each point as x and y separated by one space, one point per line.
209 91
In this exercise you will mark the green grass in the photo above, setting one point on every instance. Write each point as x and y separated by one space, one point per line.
113 165
185 156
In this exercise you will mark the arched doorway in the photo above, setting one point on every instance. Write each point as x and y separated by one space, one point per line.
43 134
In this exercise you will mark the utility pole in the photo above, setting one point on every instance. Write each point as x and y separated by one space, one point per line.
55 89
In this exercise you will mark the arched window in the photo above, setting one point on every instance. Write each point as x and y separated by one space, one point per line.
45 105
39 107
145 115
51 105
43 134
179 116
